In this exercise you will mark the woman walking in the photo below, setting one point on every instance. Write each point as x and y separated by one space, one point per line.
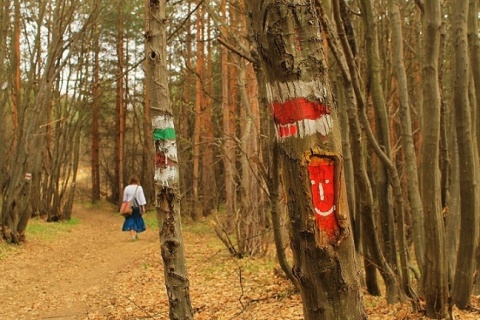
134 223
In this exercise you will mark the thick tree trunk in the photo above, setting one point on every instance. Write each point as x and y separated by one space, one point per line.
166 164
310 154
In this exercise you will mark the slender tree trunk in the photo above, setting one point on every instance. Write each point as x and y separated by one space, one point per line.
310 154
474 47
367 208
228 136
407 137
95 154
17 84
434 273
167 191
468 156
208 179
199 107
120 107
383 189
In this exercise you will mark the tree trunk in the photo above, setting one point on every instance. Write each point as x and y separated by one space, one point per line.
407 136
120 115
367 208
382 186
208 179
95 154
199 107
468 156
434 273
228 146
167 191
310 155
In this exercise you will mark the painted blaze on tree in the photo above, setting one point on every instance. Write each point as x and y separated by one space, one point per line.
165 150
289 43
301 116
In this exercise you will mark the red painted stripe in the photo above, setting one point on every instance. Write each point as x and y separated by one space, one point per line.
161 160
298 109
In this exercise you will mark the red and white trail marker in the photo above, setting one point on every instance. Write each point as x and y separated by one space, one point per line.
322 178
295 113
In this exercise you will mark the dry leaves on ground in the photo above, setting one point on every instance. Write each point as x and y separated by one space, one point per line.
95 272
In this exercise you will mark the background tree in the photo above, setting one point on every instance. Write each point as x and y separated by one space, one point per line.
434 285
468 155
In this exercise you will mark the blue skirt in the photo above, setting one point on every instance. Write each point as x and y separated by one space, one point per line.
134 222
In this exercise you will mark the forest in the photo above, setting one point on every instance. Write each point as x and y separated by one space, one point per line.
342 135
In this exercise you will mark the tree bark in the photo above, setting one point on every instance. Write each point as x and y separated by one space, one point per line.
368 209
411 170
95 153
167 191
120 107
434 273
468 156
310 154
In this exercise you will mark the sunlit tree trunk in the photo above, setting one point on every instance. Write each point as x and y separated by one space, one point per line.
308 133
167 191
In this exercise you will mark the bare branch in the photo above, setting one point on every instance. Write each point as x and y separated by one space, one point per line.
236 51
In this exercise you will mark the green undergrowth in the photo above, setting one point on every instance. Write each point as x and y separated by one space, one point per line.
6 250
150 218
39 229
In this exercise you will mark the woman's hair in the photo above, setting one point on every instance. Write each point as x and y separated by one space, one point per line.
134 179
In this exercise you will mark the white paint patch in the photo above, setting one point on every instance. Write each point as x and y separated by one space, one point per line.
306 127
295 89
166 175
162 122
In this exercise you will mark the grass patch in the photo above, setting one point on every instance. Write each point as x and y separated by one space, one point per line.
102 205
6 250
39 229
201 227
151 221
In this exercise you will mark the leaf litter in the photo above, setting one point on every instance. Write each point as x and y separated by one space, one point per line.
96 272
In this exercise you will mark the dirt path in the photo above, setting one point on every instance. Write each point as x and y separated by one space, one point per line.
52 280
96 272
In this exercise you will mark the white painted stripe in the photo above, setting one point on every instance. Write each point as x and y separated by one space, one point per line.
279 91
162 122
323 125
166 175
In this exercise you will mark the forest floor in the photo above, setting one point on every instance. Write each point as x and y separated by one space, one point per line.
91 270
